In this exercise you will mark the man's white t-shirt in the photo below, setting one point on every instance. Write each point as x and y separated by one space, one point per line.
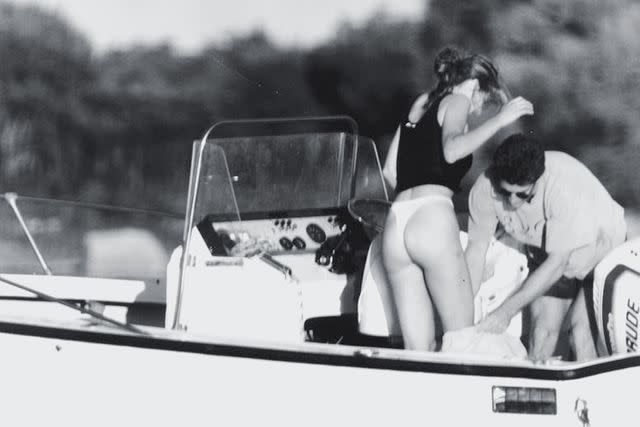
570 207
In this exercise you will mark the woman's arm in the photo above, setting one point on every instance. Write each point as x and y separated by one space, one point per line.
389 170
457 143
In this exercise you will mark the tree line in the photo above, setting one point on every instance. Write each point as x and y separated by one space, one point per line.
117 127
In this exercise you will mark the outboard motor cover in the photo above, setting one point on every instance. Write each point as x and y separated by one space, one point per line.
616 298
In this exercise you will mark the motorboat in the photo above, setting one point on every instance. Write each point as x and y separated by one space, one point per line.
266 303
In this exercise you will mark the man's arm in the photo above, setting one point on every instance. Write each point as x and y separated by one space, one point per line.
538 282
475 256
482 226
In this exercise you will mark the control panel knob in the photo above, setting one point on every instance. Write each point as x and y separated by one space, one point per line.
286 243
299 243
316 233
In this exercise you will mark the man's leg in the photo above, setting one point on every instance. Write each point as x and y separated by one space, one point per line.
546 316
580 333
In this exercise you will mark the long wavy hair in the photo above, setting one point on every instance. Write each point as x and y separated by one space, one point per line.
452 67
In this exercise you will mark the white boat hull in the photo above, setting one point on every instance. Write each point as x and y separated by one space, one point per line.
59 377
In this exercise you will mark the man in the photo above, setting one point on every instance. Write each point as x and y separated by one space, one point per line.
567 222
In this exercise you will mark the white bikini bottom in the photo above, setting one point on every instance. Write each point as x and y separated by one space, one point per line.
404 209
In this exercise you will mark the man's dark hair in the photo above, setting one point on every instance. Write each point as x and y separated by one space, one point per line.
519 160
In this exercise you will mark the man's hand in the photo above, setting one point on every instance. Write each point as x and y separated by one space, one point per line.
496 322
538 282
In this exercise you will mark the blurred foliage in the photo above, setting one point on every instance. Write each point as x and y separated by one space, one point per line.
372 73
118 127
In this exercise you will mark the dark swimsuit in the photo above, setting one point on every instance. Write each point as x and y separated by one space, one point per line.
421 156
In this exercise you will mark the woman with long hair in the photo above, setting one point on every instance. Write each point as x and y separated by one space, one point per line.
431 153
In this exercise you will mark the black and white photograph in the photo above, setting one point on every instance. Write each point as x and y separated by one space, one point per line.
319 213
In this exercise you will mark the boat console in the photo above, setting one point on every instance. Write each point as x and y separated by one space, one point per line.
280 232
270 243
255 282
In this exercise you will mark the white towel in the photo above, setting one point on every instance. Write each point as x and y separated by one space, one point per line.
471 341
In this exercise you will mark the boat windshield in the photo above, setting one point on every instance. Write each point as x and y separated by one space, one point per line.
247 170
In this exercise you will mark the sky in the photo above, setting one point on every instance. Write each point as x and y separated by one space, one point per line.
190 24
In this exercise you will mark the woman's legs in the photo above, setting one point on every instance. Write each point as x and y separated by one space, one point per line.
432 239
380 279
427 264
413 303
